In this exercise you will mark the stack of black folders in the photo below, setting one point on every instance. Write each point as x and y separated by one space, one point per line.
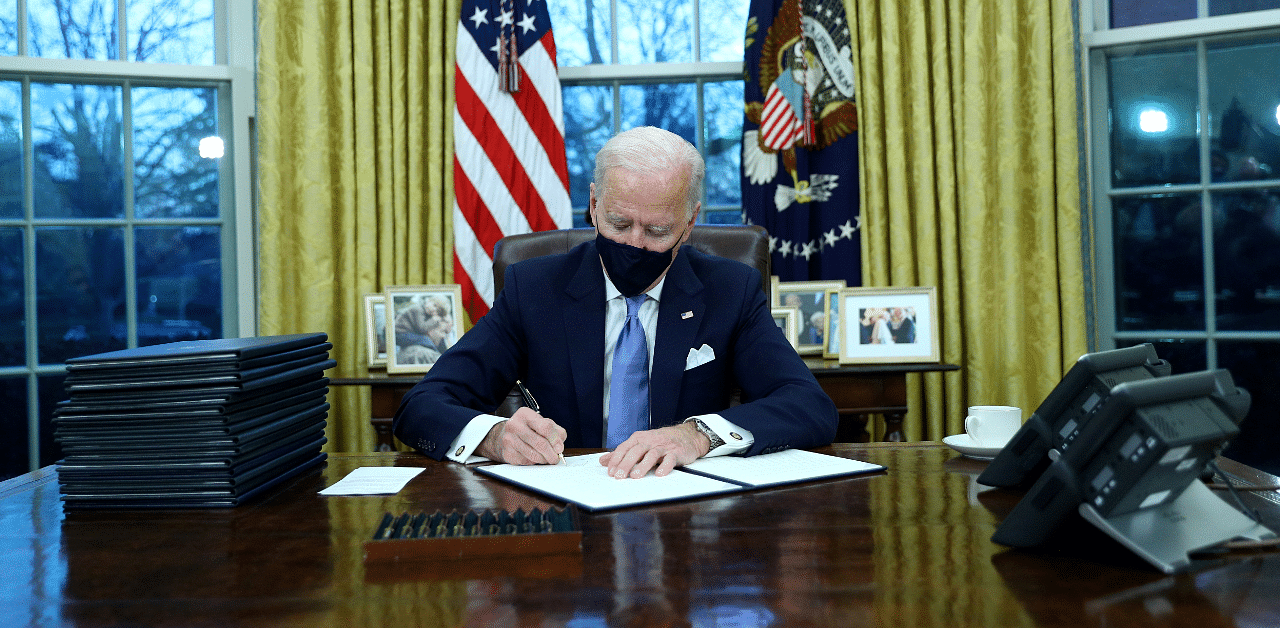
193 424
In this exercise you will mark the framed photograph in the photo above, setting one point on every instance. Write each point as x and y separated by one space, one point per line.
788 320
831 349
889 325
811 298
375 327
421 325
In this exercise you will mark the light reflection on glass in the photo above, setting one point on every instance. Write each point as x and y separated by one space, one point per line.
211 147
1153 121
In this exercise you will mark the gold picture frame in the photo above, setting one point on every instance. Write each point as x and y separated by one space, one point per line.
889 325
788 320
831 346
810 297
422 323
375 326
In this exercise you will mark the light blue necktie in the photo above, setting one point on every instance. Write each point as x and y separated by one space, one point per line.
629 385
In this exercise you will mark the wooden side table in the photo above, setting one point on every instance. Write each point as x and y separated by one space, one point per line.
385 392
862 390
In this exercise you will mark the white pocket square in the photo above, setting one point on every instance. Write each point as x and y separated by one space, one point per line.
698 357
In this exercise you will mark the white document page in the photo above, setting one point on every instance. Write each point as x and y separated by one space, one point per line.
373 481
584 481
783 467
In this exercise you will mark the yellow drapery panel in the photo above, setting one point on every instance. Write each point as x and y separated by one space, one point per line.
355 148
971 183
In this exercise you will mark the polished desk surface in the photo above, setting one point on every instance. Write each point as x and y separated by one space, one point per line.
909 547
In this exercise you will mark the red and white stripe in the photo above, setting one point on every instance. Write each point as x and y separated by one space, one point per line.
780 127
509 169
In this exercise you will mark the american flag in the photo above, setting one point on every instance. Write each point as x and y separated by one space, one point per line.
509 170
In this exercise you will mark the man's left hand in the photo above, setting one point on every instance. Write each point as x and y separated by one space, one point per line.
660 450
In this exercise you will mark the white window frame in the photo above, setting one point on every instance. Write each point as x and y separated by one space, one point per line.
234 69
1096 39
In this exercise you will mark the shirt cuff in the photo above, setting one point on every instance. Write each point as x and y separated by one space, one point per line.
463 448
736 439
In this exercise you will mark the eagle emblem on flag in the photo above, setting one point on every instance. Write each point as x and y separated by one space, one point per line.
799 172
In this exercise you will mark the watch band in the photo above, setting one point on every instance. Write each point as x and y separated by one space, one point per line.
715 439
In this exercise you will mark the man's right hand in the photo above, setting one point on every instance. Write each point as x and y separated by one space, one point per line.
526 438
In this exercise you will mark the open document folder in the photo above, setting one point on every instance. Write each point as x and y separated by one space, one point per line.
582 480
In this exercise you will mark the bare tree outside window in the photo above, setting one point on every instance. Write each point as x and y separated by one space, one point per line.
705 111
121 197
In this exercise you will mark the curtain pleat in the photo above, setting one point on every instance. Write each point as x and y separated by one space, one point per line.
354 126
970 182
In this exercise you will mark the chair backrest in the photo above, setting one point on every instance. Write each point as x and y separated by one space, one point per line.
748 244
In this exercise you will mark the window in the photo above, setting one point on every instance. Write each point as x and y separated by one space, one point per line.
1185 176
674 64
120 189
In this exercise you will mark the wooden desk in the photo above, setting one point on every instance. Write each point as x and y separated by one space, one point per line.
907 548
859 392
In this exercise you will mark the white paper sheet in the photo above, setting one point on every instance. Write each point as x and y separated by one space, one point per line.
373 481
586 482
783 467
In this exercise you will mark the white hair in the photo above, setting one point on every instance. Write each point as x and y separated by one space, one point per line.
654 151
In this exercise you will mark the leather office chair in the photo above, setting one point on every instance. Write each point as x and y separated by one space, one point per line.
748 244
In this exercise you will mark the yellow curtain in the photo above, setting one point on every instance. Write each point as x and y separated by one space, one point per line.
971 183
355 148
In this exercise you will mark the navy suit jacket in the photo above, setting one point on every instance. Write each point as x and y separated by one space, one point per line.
546 328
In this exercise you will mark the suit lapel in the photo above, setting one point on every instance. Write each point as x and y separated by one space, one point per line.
680 315
583 319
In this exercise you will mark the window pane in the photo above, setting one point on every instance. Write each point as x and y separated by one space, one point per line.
1247 259
1225 7
13 333
80 299
1158 265
170 127
10 149
52 389
655 31
76 135
173 31
588 123
8 28
179 284
1255 366
1138 12
57 29
670 106
1154 118
581 29
1244 97
723 149
722 25
13 427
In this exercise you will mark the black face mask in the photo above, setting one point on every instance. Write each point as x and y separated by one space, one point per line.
632 269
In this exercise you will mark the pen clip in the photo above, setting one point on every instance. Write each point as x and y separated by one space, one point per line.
528 397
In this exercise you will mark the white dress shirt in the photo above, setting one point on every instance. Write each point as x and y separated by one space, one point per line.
736 439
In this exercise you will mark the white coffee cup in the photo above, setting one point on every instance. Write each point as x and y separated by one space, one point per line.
992 426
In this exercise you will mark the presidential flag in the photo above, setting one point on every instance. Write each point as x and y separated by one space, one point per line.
509 169
799 141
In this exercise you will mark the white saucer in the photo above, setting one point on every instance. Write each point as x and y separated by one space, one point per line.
965 445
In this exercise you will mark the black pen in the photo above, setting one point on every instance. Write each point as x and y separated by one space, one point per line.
532 403
528 397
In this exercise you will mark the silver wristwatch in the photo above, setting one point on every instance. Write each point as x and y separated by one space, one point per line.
715 439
